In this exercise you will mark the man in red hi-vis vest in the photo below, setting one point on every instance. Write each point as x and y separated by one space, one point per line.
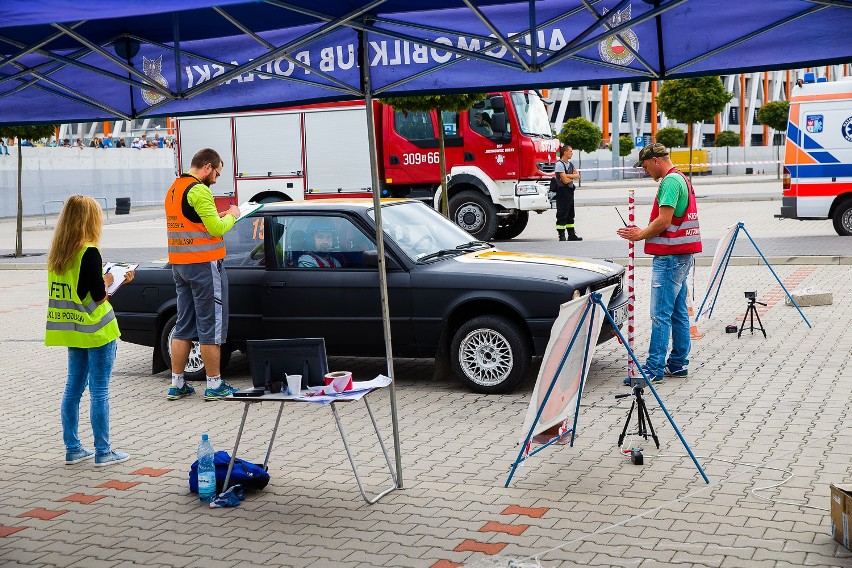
196 250
672 237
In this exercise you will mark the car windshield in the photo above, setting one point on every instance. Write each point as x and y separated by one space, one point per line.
423 233
532 116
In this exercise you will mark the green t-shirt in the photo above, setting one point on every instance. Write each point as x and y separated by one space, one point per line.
674 192
200 198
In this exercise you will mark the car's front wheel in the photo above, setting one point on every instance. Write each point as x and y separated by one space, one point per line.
490 354
194 370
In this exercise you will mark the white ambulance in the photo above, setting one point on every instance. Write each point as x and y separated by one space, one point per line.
818 160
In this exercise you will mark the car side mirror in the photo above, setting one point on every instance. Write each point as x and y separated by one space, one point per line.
370 259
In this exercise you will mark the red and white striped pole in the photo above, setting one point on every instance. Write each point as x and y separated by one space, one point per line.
631 291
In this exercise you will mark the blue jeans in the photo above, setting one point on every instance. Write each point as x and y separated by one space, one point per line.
92 367
669 314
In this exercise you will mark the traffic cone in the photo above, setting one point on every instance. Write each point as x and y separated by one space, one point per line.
693 326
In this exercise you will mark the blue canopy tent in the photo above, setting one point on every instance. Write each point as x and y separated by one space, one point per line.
88 60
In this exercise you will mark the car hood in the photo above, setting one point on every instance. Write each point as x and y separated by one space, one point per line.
520 258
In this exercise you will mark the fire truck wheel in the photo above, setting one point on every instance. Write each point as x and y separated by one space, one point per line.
490 354
194 370
513 225
473 211
843 218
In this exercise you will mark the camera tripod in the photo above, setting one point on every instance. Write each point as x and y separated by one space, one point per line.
644 425
751 314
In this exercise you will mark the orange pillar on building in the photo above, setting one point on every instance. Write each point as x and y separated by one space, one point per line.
107 128
787 84
742 111
717 124
654 121
605 114
765 100
56 134
827 73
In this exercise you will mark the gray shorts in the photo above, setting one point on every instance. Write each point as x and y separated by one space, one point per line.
202 302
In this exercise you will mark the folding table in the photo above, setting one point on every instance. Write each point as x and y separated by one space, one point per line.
283 400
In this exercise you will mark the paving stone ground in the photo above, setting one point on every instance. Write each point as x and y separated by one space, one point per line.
757 412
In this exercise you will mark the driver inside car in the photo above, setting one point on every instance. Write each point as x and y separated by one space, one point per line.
321 235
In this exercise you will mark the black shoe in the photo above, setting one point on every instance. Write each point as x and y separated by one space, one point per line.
561 237
561 233
574 237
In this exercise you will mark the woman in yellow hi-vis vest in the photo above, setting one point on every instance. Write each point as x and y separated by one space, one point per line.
80 318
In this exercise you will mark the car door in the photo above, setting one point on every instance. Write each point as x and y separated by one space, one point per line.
245 265
335 299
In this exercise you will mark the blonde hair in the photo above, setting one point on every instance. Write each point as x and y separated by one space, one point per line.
80 223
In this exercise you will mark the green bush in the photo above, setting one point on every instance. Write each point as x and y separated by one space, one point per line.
671 137
727 138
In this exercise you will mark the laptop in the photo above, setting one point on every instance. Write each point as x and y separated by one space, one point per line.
272 359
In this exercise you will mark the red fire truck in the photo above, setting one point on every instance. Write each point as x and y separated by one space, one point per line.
500 156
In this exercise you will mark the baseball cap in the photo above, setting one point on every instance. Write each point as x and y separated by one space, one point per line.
655 150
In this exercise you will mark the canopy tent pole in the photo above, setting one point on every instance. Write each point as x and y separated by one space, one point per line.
380 243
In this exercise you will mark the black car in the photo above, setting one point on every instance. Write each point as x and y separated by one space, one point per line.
479 310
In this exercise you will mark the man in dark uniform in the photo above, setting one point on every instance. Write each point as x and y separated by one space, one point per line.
565 176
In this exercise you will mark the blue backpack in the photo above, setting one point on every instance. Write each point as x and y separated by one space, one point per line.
249 475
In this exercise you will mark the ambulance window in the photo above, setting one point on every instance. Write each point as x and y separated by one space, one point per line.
414 125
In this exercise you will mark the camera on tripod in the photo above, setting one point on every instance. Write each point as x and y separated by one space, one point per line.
751 314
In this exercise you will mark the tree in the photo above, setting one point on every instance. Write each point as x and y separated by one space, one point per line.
36 132
625 146
726 139
439 103
774 115
693 101
671 137
582 135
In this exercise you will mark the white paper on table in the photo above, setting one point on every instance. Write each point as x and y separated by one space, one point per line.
248 207
320 395
118 271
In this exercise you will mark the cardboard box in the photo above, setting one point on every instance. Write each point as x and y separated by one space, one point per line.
841 512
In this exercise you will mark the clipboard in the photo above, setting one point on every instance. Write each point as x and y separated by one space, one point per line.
247 208
118 270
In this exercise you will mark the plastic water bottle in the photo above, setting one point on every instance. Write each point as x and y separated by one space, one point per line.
206 471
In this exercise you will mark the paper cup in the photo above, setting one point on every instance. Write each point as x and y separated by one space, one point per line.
339 381
294 385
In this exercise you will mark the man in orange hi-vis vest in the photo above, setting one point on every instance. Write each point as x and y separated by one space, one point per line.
672 237
196 250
